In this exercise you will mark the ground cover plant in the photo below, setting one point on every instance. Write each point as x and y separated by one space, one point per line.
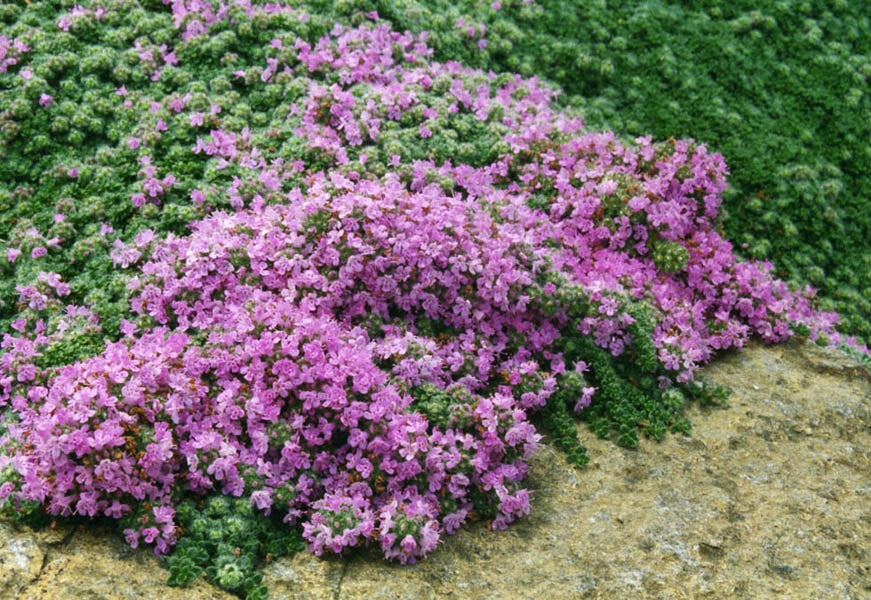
780 88
270 280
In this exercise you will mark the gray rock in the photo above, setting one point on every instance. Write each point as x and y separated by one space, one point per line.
95 565
20 560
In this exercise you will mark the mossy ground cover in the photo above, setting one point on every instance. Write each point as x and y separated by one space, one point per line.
206 209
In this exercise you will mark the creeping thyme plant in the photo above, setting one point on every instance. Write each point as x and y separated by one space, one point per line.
781 87
272 281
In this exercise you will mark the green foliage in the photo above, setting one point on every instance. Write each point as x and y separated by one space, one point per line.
669 257
707 394
71 349
629 398
226 540
559 422
626 402
442 408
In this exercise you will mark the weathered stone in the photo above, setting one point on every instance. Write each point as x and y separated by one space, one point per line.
20 560
770 497
304 577
97 566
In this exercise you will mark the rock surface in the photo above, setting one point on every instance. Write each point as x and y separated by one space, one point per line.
769 498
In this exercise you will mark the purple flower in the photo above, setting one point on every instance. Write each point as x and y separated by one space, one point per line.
262 500
132 537
149 534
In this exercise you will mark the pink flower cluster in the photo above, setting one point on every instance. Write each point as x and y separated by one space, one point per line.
96 13
280 348
153 188
32 241
10 52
